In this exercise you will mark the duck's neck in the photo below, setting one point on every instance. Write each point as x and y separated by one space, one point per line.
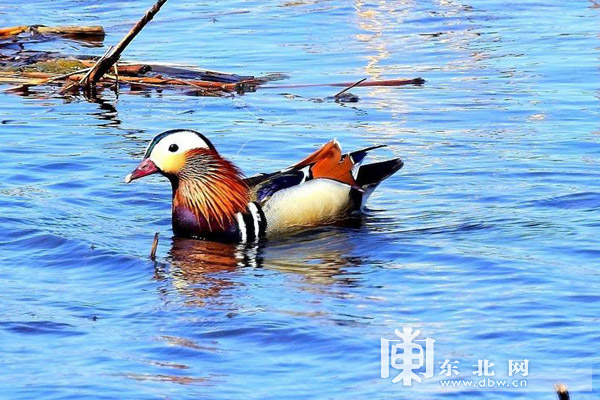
205 203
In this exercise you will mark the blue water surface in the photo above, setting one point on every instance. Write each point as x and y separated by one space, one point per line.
486 241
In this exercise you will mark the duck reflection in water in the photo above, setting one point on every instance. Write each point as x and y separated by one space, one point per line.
204 269
199 268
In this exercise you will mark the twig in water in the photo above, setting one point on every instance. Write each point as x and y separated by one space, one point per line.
116 69
104 64
561 391
338 94
154 246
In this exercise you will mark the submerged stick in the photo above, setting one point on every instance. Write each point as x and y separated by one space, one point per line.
561 391
104 65
338 94
154 246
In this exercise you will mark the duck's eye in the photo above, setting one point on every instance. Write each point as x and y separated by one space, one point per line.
173 148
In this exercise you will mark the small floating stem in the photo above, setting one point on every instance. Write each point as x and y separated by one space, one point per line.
154 246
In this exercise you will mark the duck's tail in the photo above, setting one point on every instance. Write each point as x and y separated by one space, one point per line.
371 175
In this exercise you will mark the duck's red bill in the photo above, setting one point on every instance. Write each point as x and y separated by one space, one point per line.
146 167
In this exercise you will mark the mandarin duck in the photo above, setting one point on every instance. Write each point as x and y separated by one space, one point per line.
213 201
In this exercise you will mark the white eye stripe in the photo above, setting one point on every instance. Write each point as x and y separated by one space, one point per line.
182 140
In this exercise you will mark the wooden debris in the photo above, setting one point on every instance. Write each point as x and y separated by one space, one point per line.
128 76
32 78
105 64
205 82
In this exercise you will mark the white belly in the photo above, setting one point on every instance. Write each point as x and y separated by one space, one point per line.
315 202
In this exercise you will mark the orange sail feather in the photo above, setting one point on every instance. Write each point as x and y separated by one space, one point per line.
327 162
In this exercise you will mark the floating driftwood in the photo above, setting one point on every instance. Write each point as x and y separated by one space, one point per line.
132 75
69 31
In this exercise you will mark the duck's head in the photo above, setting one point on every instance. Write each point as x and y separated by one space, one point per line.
205 184
171 153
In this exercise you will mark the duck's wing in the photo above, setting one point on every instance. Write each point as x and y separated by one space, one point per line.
327 162
263 186
324 187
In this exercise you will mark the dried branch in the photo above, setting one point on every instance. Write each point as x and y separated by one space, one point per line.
104 64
